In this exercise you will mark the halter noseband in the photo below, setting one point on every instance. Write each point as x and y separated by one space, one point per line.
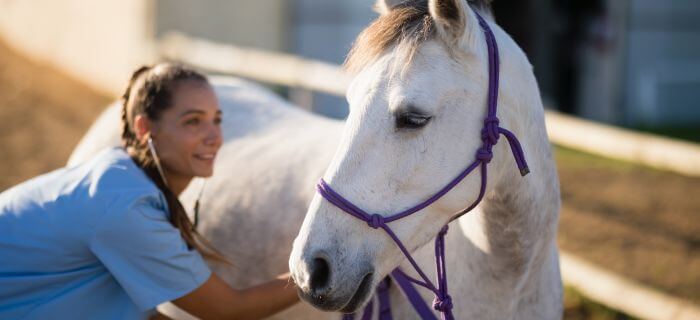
489 137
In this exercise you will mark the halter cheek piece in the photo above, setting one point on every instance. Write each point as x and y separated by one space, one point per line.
489 137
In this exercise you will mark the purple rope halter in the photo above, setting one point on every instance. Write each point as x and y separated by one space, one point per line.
489 136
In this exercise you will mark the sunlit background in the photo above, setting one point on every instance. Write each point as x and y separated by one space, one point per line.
627 64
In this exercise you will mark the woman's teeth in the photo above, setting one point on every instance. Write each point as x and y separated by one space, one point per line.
208 156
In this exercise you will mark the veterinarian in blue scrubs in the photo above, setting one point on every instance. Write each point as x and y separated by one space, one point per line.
108 239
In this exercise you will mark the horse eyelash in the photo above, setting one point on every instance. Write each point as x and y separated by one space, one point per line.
405 120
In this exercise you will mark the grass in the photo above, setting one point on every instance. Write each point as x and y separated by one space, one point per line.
579 159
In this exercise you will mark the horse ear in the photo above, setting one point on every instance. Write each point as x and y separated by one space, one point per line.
452 18
385 6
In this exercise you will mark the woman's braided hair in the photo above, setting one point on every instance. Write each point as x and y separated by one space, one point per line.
149 93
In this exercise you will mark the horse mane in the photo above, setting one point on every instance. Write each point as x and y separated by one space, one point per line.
407 26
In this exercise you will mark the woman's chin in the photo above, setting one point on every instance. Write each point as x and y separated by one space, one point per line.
204 173
202 169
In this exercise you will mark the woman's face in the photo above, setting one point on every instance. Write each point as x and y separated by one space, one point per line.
187 135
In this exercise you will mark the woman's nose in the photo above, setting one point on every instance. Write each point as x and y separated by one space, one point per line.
213 135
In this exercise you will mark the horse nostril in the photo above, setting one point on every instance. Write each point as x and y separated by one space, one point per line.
319 274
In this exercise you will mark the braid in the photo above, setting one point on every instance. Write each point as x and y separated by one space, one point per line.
128 136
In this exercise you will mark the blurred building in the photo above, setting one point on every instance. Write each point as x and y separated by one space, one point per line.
628 62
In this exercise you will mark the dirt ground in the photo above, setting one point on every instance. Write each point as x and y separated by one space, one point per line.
44 113
638 222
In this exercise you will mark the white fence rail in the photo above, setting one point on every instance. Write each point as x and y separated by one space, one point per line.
622 294
622 144
259 65
596 283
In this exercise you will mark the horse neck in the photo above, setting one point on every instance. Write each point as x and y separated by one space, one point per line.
511 235
508 243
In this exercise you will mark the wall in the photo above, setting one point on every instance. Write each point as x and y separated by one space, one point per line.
102 42
98 42
325 30
663 64
262 24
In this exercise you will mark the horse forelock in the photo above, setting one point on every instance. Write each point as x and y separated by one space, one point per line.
406 26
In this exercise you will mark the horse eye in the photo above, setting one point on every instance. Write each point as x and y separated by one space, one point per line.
411 120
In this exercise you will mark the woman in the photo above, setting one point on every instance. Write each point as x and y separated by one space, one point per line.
108 239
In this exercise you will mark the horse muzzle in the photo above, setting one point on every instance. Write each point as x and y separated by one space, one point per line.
329 285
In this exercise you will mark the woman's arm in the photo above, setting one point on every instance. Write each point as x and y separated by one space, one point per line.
217 300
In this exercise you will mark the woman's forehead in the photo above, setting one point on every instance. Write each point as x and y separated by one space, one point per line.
192 96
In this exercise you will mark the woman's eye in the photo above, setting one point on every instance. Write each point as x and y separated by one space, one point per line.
217 121
412 121
191 122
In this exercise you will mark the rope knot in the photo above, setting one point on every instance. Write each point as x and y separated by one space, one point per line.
491 120
490 134
443 304
375 221
484 154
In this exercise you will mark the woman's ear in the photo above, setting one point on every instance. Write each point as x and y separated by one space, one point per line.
142 128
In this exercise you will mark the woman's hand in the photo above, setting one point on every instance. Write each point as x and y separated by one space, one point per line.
215 299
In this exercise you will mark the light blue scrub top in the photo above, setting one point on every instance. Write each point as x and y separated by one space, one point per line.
91 242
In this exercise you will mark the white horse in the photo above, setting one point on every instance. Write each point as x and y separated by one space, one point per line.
502 259
417 105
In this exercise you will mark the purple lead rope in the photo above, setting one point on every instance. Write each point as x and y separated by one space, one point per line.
489 136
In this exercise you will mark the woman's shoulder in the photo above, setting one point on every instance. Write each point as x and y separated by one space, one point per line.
108 184
114 173
109 171
113 168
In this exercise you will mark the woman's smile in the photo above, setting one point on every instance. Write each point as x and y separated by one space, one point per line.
207 158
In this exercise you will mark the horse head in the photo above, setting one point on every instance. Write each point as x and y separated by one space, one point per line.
417 109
